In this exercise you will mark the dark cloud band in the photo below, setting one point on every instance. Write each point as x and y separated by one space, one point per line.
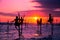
49 3
49 6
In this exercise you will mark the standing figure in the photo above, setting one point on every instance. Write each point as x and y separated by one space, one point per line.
16 22
37 22
51 23
50 19
21 24
40 21
40 25
17 25
21 21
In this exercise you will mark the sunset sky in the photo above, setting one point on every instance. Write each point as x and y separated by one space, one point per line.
32 9
16 5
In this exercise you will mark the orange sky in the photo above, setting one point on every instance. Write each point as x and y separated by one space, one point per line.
29 19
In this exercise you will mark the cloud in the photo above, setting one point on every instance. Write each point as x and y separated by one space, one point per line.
54 13
7 14
48 3
50 6
42 13
58 9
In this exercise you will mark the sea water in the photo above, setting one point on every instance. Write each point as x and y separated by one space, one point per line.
9 32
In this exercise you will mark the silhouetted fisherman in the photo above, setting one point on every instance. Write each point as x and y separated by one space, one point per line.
40 25
21 21
17 24
51 23
21 24
50 19
38 22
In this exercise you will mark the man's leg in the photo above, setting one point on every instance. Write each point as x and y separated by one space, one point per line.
19 32
16 27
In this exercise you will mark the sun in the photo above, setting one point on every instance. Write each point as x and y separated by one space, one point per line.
35 18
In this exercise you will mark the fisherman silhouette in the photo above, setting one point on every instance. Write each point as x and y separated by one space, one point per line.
21 21
16 22
39 23
17 25
50 20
